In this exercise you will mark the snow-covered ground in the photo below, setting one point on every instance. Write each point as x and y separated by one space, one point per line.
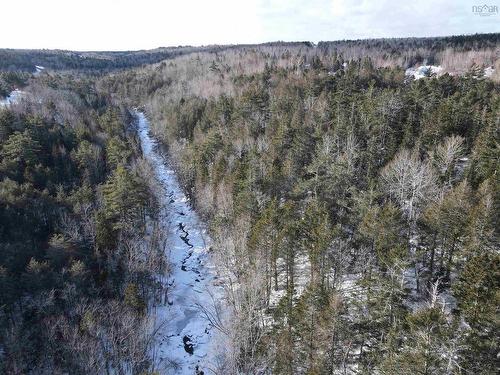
424 71
16 95
427 70
185 338
488 71
38 70
13 97
302 276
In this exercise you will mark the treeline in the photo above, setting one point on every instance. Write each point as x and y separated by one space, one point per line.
405 52
354 212
75 199
105 61
14 59
435 44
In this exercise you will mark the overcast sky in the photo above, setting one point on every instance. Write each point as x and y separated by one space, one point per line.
144 24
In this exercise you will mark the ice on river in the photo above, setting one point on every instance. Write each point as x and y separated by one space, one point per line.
185 337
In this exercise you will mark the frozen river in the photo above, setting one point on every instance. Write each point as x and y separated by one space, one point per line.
185 336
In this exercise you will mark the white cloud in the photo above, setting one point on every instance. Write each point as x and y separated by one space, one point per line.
135 24
126 24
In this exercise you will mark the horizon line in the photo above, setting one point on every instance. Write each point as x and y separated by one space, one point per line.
314 43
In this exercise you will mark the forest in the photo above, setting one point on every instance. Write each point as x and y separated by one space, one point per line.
91 62
353 209
75 201
99 62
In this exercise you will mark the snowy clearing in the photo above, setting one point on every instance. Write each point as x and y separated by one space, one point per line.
424 71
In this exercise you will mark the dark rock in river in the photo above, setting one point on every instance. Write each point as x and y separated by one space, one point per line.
188 345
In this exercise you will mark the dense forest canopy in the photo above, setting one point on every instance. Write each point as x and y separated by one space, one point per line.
356 209
75 198
353 209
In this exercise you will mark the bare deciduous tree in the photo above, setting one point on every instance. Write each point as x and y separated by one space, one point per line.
410 182
445 156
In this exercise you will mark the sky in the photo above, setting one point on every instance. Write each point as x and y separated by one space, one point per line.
144 24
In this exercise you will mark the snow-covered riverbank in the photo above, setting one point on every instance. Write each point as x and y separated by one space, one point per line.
185 338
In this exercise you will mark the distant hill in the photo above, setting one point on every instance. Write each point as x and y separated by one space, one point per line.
18 59
26 59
